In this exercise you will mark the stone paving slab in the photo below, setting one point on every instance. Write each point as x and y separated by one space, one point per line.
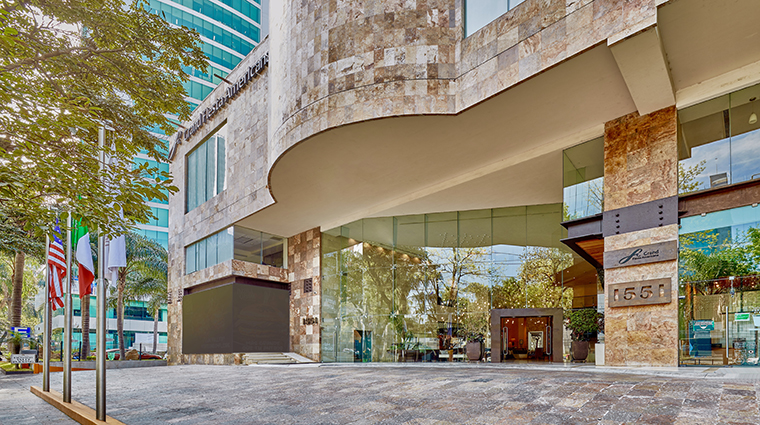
409 394
18 406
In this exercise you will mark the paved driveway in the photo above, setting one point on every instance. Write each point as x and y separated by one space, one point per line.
388 394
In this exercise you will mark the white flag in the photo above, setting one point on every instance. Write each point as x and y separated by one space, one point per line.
117 256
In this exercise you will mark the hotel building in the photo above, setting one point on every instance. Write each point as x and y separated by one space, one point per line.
382 181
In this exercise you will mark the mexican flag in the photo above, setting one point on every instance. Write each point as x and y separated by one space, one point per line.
84 258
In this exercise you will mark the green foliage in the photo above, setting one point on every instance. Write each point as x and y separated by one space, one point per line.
687 177
67 68
717 259
33 279
584 323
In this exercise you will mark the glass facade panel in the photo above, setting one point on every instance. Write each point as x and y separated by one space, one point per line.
719 302
206 171
583 179
479 13
719 141
239 243
414 288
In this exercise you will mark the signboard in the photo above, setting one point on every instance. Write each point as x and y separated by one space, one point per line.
22 358
646 254
741 317
645 292
703 325
25 331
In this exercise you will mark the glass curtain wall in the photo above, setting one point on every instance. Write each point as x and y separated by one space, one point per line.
719 256
719 141
413 288
237 243
583 179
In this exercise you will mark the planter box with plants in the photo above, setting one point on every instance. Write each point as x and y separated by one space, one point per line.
584 324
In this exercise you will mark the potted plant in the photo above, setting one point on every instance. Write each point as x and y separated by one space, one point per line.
474 347
583 325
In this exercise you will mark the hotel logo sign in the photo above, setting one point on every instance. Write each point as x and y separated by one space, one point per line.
230 93
646 254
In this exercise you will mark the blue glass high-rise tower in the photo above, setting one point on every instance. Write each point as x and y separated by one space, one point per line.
229 30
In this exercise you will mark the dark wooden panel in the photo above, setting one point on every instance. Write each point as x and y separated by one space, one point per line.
720 198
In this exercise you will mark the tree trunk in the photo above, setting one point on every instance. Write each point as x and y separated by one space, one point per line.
120 313
85 303
155 329
16 298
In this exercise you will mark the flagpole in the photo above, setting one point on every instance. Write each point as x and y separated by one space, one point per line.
46 323
68 318
100 344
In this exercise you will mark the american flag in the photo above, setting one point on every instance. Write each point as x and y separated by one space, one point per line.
57 266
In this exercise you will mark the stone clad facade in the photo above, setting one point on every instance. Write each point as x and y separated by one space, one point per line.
491 108
640 160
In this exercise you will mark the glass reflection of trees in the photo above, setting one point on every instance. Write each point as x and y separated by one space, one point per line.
414 303
718 268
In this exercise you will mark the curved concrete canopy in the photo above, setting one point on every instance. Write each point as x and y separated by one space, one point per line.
504 151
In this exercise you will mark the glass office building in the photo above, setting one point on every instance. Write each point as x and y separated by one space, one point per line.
229 30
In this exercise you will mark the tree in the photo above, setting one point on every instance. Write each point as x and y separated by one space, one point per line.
149 283
15 243
687 176
68 68
143 255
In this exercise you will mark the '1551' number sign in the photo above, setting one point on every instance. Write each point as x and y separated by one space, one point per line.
645 292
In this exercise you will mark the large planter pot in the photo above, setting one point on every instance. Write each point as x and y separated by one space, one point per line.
473 351
580 350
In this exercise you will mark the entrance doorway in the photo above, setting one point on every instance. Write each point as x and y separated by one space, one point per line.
526 338
526 335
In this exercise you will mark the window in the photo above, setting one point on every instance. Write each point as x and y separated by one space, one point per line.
206 169
479 13
583 179
239 243
718 140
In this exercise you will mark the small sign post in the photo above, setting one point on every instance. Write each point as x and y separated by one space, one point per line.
27 332
23 358
741 317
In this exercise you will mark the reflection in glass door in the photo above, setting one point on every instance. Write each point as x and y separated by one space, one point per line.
720 322
526 338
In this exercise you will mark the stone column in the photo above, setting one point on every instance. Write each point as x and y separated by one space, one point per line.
640 166
305 265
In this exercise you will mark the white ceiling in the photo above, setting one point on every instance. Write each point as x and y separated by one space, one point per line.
505 151
706 38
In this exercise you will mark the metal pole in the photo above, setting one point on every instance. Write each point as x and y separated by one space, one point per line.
67 319
46 332
100 344
727 340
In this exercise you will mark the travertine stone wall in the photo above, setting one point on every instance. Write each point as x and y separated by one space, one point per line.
246 191
347 61
352 60
641 165
305 262
537 35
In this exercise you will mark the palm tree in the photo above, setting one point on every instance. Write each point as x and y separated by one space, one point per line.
150 285
147 260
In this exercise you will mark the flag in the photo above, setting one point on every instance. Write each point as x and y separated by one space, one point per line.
117 256
84 259
57 267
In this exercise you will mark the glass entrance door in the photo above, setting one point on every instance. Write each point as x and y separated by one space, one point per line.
526 338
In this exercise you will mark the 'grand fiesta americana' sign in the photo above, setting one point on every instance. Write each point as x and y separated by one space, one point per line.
653 253
230 93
